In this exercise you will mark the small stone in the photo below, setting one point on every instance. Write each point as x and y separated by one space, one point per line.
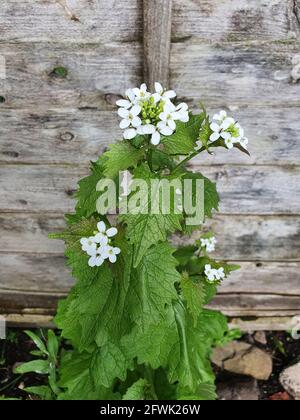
244 359
241 390
290 380
260 337
280 396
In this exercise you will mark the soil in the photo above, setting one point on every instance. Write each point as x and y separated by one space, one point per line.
17 347
285 352
13 351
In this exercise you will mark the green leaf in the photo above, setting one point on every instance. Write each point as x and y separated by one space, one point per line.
193 292
52 344
137 391
211 196
37 366
121 156
37 341
180 346
183 141
43 391
87 194
145 230
205 392
75 378
109 363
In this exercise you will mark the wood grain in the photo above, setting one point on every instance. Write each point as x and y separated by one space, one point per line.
232 21
84 21
241 238
244 74
157 40
32 84
76 136
246 190
39 281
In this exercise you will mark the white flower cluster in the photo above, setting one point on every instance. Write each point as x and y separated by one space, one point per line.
208 243
99 247
214 274
154 114
226 128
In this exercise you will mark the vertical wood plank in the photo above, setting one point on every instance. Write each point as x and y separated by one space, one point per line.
157 41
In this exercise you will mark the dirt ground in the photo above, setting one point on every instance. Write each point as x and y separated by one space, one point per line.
17 347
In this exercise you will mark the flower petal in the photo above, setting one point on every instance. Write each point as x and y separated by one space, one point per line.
112 258
129 134
123 103
143 88
148 129
155 138
101 227
172 124
156 97
169 94
135 110
227 123
111 232
158 88
136 122
215 127
130 95
116 250
123 113
166 131
214 136
124 124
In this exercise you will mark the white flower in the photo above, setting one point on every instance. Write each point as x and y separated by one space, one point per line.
96 261
130 133
103 236
210 273
149 114
141 93
218 131
130 117
89 245
110 252
209 243
182 110
160 93
213 274
219 274
220 117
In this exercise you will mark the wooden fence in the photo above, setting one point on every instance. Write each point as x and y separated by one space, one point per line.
66 62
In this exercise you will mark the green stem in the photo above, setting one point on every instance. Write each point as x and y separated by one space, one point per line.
187 159
149 377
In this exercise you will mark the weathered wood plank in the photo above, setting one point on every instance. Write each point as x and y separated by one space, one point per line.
232 21
39 281
157 41
83 21
252 238
77 136
63 136
243 238
262 324
253 74
258 324
31 81
245 190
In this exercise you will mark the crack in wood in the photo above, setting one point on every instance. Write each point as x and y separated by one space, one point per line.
296 10
65 6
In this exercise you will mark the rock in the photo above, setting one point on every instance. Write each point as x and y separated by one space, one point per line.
244 359
290 380
280 396
260 337
241 390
